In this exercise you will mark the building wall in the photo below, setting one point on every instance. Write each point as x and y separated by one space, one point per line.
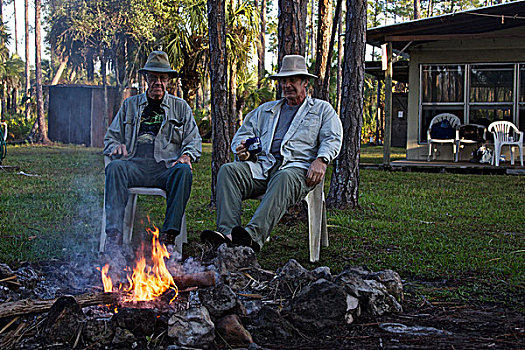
499 50
76 113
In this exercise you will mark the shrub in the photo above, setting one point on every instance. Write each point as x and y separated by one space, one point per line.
18 127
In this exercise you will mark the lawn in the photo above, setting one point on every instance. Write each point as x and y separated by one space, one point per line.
452 236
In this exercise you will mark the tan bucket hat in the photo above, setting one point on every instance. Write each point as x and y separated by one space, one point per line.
158 62
293 65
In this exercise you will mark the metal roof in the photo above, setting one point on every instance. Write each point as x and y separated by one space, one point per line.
471 24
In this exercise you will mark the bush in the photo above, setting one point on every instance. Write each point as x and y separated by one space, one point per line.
18 127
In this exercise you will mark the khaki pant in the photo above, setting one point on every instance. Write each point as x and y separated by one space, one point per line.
282 189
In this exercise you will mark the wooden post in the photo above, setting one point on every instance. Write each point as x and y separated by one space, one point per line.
388 107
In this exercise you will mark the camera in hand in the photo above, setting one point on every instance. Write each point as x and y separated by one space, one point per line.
253 145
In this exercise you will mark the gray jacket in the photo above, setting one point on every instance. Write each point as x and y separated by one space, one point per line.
178 133
315 131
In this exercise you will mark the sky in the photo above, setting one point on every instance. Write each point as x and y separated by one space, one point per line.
9 18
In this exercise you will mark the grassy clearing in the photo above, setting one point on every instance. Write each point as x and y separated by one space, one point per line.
464 233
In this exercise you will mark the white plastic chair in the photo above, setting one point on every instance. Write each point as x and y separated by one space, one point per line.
459 140
454 122
129 216
317 227
506 133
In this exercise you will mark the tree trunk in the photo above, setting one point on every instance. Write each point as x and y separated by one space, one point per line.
232 99
311 40
344 187
28 67
15 29
60 70
3 100
339 60
430 8
291 30
324 50
14 100
42 125
105 108
417 9
261 43
218 68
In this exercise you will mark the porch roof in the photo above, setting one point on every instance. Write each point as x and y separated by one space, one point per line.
478 23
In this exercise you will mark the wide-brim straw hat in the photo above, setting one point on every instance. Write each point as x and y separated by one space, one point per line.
158 62
293 65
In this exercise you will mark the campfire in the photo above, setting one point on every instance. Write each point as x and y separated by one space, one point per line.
146 283
223 299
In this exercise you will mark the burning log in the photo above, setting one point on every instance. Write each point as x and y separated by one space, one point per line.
200 279
27 306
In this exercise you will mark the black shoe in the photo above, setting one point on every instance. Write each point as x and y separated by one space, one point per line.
241 237
214 238
168 237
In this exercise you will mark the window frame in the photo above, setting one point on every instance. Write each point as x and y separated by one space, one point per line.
515 105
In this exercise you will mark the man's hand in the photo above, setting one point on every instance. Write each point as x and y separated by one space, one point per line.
184 159
315 172
120 150
242 152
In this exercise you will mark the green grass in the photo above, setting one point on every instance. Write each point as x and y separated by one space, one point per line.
466 229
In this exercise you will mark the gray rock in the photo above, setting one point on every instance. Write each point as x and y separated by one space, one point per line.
64 320
98 331
321 305
123 336
219 300
233 259
392 281
290 279
192 328
373 296
322 272
269 325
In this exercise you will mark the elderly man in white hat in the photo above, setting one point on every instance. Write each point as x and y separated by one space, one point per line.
153 141
298 137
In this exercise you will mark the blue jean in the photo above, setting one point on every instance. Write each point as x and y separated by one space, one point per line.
122 174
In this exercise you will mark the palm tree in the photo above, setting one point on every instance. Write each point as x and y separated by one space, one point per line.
242 29
4 56
188 45
41 135
11 78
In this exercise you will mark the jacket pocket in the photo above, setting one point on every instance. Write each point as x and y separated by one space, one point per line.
175 132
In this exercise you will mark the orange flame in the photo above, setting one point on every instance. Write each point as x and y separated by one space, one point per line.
108 284
147 282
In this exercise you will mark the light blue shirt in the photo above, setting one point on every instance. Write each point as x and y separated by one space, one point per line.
315 131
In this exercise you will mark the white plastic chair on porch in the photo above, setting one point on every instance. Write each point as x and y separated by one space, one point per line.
129 215
317 227
506 133
454 122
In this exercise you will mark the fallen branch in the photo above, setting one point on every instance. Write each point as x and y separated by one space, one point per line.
28 306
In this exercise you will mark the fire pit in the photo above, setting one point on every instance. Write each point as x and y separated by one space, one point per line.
226 300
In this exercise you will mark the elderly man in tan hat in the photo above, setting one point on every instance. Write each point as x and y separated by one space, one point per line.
153 141
298 137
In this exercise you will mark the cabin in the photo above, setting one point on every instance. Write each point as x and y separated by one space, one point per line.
469 63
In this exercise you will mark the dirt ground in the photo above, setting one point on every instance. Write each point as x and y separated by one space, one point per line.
461 327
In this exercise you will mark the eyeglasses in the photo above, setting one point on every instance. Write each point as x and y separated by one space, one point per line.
155 78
